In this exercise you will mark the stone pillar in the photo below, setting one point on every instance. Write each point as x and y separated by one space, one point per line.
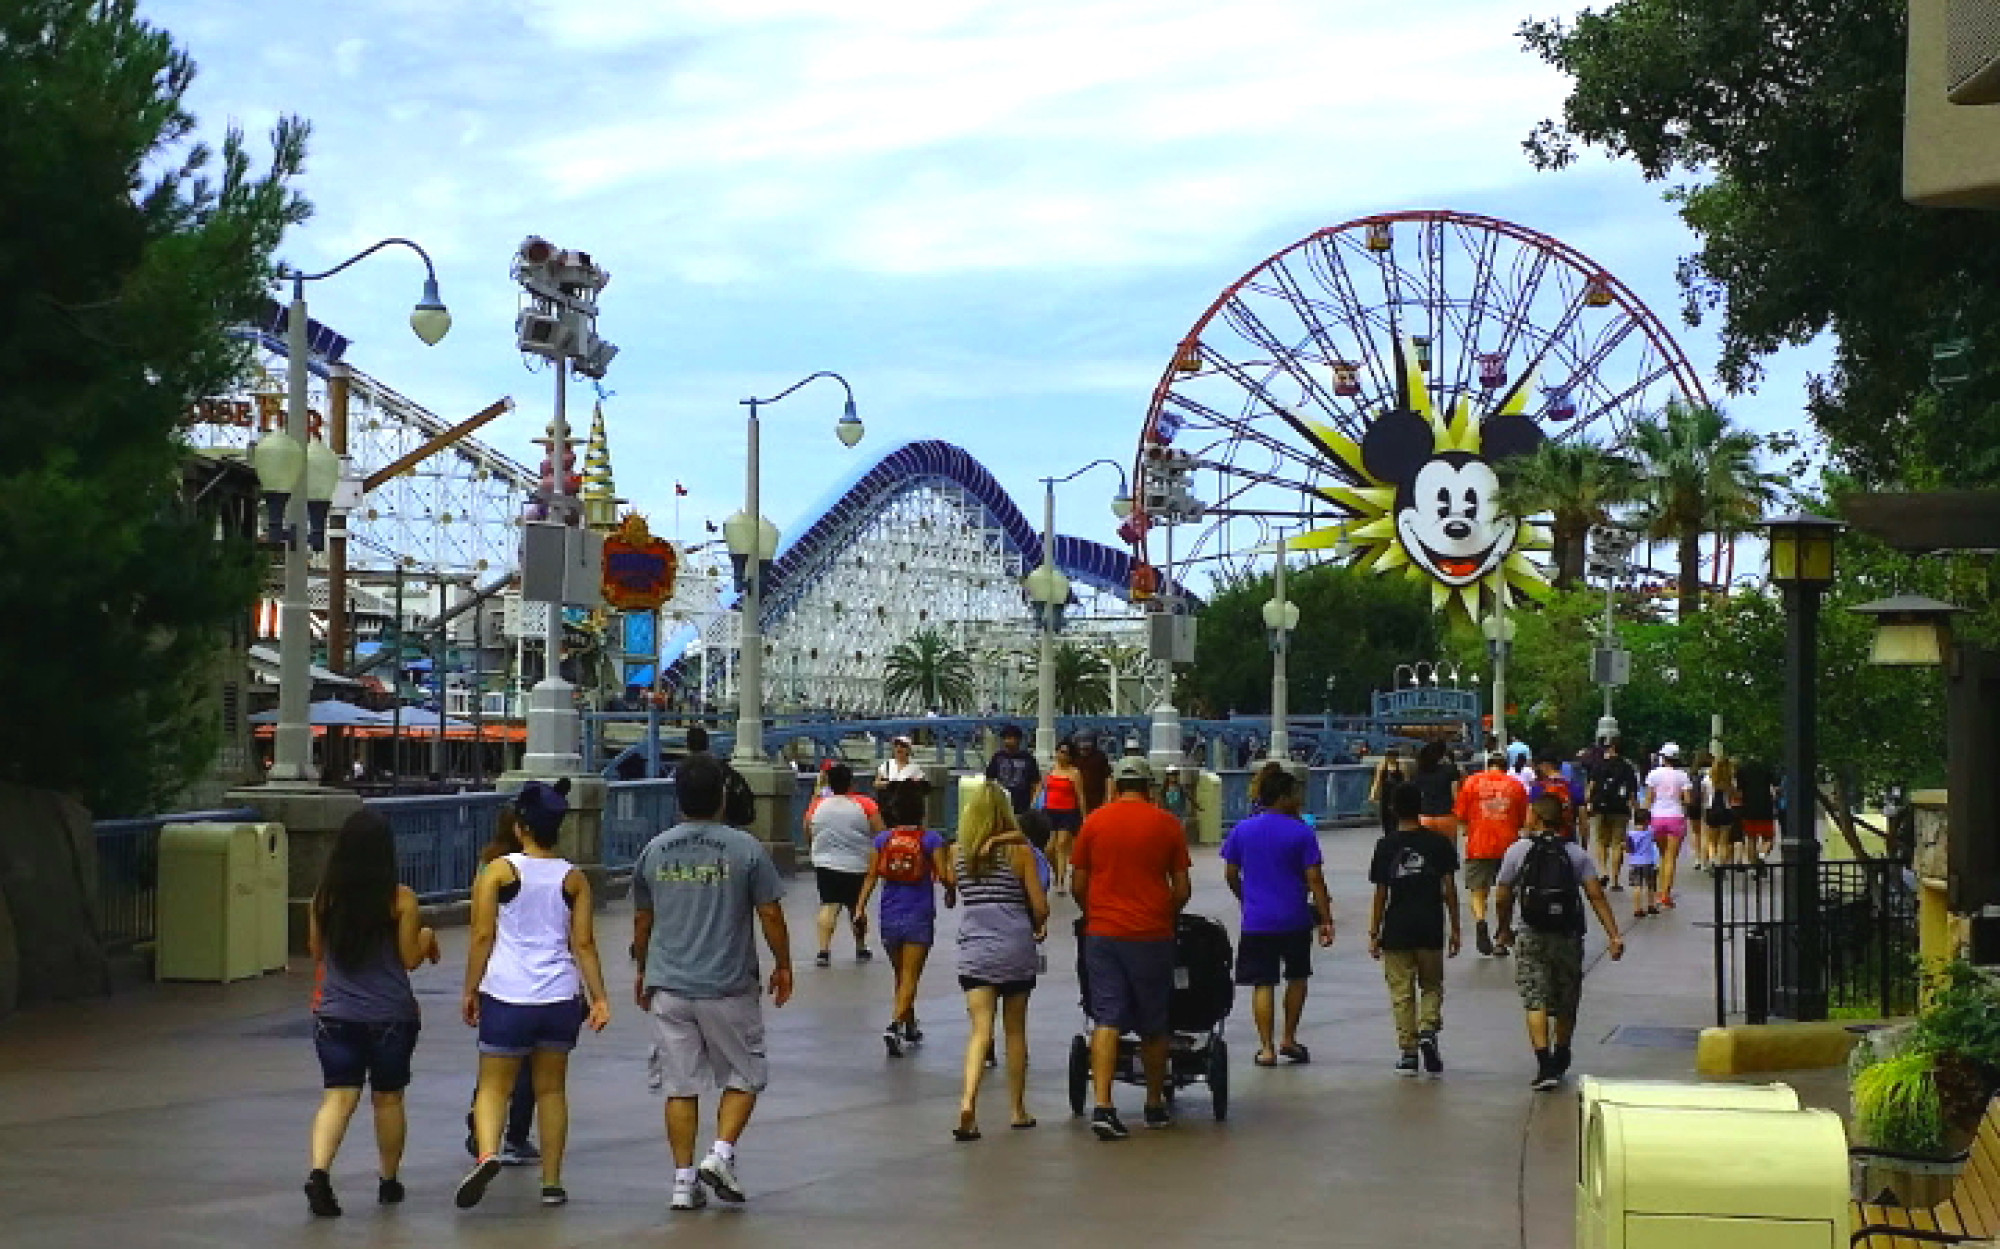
776 790
943 797
583 827
312 816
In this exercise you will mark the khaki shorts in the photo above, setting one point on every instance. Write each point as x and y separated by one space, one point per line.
709 1043
1607 832
1481 873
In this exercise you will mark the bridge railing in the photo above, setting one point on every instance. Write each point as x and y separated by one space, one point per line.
438 838
1334 795
128 871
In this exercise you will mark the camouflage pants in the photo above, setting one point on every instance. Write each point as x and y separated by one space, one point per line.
1548 970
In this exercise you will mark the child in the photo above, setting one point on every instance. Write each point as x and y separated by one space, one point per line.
1642 854
1179 802
1415 894
909 861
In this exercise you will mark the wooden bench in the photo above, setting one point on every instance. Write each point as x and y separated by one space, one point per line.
1970 1214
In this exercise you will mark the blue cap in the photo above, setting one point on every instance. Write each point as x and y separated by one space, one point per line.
542 808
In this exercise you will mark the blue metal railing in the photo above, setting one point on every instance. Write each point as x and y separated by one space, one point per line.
1334 795
438 838
634 813
128 871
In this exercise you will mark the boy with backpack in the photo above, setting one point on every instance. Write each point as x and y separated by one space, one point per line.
1551 879
1613 785
910 860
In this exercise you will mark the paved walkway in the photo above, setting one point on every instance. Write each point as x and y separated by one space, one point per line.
177 1116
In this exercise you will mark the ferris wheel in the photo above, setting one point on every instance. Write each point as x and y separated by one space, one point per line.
1396 356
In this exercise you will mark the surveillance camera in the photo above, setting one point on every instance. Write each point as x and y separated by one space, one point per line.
536 250
595 357
541 334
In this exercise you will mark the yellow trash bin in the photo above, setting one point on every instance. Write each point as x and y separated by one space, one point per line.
1208 809
1665 1177
1592 1091
274 894
208 921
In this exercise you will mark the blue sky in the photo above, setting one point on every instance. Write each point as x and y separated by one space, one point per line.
995 218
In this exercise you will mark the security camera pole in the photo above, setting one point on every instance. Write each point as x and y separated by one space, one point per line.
559 324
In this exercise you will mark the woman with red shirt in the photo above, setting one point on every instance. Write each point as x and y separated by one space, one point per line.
1061 798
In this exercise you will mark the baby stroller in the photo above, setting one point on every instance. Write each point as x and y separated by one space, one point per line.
1204 992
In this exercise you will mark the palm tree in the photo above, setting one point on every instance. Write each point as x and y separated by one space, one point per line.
927 670
1698 474
1083 681
1576 483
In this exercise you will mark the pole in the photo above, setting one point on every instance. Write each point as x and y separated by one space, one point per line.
479 696
1801 833
1500 670
1045 674
437 676
396 725
553 748
750 636
339 637
1607 725
552 643
291 750
1281 729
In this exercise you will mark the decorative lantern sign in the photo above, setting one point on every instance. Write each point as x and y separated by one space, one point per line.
639 569
1379 237
1145 583
1597 293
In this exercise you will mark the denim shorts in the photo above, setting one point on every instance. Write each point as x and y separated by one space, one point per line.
376 1054
1131 984
514 1030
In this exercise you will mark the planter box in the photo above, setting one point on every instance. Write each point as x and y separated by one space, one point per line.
1916 1183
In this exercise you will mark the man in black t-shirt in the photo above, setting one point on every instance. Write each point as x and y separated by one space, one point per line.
1614 783
1014 770
1413 874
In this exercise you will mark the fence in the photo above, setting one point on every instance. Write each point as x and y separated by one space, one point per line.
1867 939
634 813
1333 794
438 838
128 872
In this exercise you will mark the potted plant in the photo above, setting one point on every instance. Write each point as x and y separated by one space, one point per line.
1921 1091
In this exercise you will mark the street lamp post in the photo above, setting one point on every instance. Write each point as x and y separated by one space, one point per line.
1613 549
1047 591
298 476
1802 548
1499 630
753 544
1281 616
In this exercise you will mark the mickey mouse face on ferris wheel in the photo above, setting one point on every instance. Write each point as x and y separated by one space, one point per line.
1447 519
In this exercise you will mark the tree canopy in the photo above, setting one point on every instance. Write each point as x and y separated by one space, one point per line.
1784 122
127 250
1354 627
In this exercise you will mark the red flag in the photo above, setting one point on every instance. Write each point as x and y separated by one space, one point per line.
680 491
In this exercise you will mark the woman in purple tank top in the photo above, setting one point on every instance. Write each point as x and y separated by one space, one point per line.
364 936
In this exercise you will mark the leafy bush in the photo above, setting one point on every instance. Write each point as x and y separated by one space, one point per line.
1896 1104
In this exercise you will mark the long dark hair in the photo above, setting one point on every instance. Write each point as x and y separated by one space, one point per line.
1430 757
356 901
506 838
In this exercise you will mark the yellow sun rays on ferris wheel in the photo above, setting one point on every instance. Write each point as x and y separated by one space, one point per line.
1370 532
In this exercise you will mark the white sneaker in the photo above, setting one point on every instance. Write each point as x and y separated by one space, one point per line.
720 1174
688 1195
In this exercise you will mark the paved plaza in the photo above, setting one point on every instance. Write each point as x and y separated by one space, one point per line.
177 1116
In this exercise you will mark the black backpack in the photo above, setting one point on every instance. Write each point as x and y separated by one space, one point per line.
1615 784
1550 895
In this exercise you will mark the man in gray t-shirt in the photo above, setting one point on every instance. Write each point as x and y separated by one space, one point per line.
695 891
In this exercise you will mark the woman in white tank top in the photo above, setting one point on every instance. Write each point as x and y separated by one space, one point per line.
534 952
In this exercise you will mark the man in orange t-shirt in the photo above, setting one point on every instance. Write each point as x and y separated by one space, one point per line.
1492 806
1129 872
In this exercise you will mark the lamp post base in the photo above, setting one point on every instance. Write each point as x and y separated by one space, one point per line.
554 731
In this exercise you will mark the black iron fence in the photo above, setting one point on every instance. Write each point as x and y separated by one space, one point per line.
1866 947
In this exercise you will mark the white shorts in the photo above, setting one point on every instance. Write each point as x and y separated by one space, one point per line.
707 1043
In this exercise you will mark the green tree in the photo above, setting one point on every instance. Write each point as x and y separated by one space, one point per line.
1785 118
1698 475
1354 628
1083 680
128 251
928 672
1576 483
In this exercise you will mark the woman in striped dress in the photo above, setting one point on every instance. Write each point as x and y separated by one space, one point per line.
1005 915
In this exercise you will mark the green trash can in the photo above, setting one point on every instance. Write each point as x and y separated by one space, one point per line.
274 888
1669 1177
211 879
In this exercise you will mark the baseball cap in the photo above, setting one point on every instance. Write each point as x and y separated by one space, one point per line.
542 807
1132 768
899 740
1671 751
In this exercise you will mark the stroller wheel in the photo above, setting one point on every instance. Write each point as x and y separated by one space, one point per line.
1218 1077
1079 1073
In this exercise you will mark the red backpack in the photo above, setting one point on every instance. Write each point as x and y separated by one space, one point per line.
903 859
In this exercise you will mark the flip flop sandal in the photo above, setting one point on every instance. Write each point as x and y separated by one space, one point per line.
1262 1061
1022 1125
965 1134
1295 1054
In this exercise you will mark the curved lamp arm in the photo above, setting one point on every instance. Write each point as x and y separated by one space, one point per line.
757 403
1124 486
430 270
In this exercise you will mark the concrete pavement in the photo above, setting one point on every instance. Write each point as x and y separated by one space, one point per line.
177 1115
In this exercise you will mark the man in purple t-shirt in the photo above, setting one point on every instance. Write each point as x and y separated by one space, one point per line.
1274 870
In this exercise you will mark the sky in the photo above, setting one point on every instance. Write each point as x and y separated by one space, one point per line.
994 217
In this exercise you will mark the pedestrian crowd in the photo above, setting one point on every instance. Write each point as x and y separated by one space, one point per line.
1539 846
